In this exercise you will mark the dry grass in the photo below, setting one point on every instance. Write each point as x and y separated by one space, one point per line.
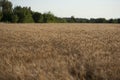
59 51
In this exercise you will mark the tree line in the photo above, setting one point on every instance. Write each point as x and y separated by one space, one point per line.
20 14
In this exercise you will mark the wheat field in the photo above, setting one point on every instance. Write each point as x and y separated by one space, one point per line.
59 51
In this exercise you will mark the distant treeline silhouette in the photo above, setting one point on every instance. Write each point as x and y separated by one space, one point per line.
26 15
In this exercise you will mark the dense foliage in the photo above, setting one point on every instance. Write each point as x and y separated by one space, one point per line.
26 15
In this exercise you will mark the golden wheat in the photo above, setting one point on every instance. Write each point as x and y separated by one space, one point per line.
59 51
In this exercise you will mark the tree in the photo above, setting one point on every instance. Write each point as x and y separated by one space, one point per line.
48 18
82 20
14 18
118 20
60 20
6 11
38 18
112 21
1 15
92 20
73 20
1 3
100 20
24 14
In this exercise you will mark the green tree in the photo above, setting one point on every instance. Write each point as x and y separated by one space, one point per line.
48 18
14 18
1 15
6 11
112 21
83 20
92 20
38 18
73 20
1 2
24 14
118 20
60 20
100 20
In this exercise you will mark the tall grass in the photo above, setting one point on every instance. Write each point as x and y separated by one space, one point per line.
59 51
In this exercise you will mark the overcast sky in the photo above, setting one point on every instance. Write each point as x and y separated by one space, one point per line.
77 8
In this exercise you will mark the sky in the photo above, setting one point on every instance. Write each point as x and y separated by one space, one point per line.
77 8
